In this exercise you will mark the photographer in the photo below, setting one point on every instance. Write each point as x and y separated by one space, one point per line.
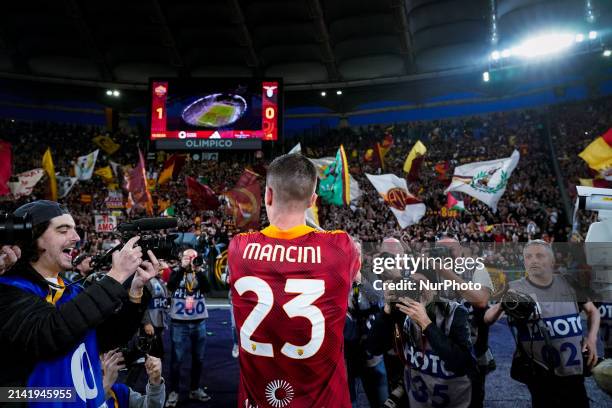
552 355
81 271
439 367
363 337
188 314
156 317
120 395
476 303
45 324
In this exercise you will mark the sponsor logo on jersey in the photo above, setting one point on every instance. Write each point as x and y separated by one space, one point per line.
279 393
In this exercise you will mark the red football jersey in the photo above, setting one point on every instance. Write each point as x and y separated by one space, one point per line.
289 293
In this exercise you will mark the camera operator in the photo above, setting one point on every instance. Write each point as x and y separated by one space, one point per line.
156 317
120 395
363 338
81 271
439 367
9 254
476 303
45 324
188 314
551 356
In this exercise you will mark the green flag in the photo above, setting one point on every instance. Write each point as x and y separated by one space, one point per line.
334 187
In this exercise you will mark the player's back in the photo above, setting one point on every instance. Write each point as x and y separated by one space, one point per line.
289 293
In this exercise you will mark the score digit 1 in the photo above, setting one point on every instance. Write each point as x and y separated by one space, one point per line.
160 112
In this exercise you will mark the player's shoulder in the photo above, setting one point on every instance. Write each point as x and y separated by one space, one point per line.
336 235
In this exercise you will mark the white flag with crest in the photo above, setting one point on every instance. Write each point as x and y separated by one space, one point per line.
486 181
407 208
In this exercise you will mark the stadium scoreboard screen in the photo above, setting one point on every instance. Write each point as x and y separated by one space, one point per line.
215 113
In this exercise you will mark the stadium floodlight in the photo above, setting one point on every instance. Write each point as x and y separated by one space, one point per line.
109 92
116 93
592 35
544 44
486 76
323 93
495 55
579 38
506 53
607 53
339 92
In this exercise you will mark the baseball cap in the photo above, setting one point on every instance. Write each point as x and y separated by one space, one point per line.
41 211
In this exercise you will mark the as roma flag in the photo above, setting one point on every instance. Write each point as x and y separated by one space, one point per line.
137 186
245 201
202 197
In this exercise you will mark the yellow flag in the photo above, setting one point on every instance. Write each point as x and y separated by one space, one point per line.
166 174
105 172
47 163
106 143
586 182
418 149
598 154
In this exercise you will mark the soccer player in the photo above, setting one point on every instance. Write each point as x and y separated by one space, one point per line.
289 286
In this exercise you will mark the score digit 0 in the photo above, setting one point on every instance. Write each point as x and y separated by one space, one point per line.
270 113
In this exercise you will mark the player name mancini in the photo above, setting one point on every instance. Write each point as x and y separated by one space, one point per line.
279 253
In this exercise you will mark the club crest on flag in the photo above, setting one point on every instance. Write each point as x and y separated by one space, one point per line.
398 198
490 181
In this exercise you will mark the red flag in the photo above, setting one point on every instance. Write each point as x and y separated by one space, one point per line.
442 168
202 197
381 149
6 167
245 201
415 169
137 186
247 178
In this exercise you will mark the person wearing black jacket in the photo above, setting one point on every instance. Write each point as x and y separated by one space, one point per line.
440 369
51 331
188 314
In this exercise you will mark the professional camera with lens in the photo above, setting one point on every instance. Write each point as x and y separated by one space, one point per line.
137 348
15 230
518 306
163 246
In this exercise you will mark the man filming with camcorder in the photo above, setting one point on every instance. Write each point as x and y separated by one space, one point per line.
47 324
552 354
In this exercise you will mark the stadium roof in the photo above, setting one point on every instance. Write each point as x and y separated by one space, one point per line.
304 41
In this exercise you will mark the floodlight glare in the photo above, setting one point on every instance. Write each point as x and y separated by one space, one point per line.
607 53
592 35
115 93
579 38
544 45
505 53
109 92
339 92
323 93
495 55
485 76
